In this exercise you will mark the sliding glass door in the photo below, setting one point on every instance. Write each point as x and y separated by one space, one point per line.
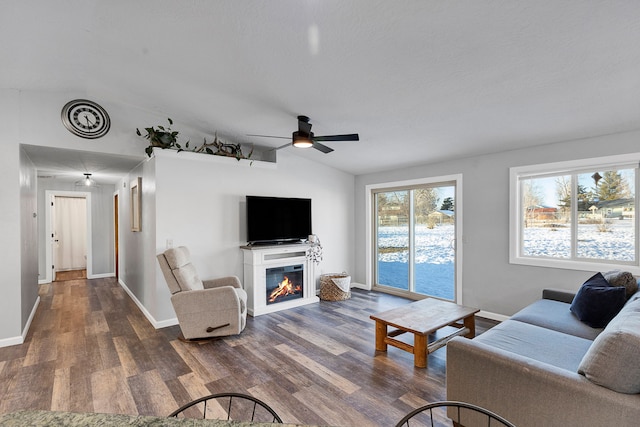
414 239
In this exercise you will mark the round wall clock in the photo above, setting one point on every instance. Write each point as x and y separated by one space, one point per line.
85 119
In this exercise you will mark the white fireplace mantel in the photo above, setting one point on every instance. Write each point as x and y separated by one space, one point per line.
257 259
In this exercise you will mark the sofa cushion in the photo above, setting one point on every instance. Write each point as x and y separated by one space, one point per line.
555 315
537 343
624 279
597 302
612 360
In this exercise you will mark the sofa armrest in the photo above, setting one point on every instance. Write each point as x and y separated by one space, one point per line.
232 281
560 295
530 393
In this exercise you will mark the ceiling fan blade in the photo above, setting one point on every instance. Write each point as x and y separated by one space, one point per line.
288 144
322 147
270 136
347 137
303 125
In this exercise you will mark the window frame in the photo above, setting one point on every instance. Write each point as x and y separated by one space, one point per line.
568 167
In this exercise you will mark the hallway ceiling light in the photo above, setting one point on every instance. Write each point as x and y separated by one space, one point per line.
87 181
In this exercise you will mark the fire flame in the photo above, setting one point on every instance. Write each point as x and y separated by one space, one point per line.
284 288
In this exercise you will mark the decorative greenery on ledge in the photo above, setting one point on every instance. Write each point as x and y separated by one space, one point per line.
165 137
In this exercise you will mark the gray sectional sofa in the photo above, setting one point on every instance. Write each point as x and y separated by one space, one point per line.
544 367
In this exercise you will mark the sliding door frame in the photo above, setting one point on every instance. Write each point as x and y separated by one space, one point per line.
370 224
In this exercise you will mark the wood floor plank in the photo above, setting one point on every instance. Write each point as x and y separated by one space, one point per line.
285 404
194 386
335 412
202 360
111 392
317 338
43 348
80 388
151 394
316 368
127 359
61 395
90 349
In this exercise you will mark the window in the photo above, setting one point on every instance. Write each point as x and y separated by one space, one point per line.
578 215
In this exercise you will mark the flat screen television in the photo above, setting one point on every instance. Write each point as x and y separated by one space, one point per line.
277 219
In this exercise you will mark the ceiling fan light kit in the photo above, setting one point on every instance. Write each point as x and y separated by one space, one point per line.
304 138
302 141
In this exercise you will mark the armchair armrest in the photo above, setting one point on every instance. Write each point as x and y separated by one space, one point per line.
209 312
558 295
232 281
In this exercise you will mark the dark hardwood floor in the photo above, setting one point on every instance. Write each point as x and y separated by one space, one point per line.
90 349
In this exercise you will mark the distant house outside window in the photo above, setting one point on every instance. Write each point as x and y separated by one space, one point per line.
577 215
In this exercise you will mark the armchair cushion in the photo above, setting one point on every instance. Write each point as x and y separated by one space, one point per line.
179 261
188 278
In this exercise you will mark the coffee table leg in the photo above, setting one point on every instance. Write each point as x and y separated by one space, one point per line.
381 334
420 350
470 323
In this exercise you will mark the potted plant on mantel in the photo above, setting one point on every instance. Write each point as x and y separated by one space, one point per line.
164 137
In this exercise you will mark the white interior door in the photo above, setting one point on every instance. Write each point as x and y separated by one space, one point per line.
69 233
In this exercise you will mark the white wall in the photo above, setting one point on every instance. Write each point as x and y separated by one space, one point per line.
489 281
200 203
10 205
137 249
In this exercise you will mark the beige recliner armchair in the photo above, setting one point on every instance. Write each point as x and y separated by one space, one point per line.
205 309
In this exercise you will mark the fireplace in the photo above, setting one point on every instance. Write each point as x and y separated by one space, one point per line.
284 283
278 278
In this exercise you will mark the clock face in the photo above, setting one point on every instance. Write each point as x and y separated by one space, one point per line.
85 119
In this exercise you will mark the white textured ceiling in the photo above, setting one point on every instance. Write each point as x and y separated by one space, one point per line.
420 81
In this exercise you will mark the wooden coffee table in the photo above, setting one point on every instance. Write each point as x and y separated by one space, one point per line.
423 318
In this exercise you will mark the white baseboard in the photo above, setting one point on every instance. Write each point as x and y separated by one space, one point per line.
7 342
30 319
492 316
93 276
360 286
101 275
156 324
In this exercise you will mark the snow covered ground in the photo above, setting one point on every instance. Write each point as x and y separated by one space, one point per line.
434 269
615 244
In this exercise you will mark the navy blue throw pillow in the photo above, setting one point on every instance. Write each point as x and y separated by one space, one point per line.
597 302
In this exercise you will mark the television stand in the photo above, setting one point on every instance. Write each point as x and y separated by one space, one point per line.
276 243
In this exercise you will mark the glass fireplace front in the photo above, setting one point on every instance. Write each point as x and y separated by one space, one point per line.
284 283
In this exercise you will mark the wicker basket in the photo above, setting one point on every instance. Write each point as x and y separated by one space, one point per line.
330 287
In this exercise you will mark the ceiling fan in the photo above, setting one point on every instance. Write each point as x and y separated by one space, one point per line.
304 138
